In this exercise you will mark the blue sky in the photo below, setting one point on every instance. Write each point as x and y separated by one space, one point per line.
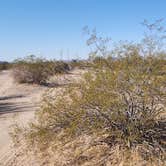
53 28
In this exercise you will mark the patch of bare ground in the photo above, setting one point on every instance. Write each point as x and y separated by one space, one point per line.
18 103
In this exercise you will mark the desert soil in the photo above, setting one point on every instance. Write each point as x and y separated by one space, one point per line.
17 103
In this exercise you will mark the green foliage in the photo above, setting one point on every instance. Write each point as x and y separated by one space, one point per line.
60 67
79 64
121 100
4 66
37 70
125 102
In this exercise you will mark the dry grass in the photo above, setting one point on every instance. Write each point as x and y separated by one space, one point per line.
87 151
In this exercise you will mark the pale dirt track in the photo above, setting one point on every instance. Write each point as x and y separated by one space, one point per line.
17 103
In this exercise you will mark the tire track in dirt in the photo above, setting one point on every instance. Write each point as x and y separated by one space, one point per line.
17 103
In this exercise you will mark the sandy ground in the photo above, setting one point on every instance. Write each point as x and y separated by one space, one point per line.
17 103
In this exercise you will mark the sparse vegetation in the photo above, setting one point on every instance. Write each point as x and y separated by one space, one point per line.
113 116
123 103
80 64
4 66
37 70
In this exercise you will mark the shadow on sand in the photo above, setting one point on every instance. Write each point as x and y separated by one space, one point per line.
9 107
11 97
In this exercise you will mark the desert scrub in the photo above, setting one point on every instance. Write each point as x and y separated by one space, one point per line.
123 103
114 116
60 67
37 70
80 64
5 66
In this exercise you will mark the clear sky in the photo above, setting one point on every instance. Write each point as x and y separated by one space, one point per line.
52 28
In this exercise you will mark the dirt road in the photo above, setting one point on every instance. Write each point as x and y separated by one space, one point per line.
17 102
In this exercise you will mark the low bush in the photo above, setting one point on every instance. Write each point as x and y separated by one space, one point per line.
30 70
4 65
37 70
123 103
60 67
80 64
115 115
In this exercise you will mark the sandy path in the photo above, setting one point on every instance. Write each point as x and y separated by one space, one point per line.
17 102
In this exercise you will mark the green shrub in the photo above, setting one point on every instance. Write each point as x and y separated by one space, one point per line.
80 64
30 70
37 70
60 67
125 103
4 66
121 101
